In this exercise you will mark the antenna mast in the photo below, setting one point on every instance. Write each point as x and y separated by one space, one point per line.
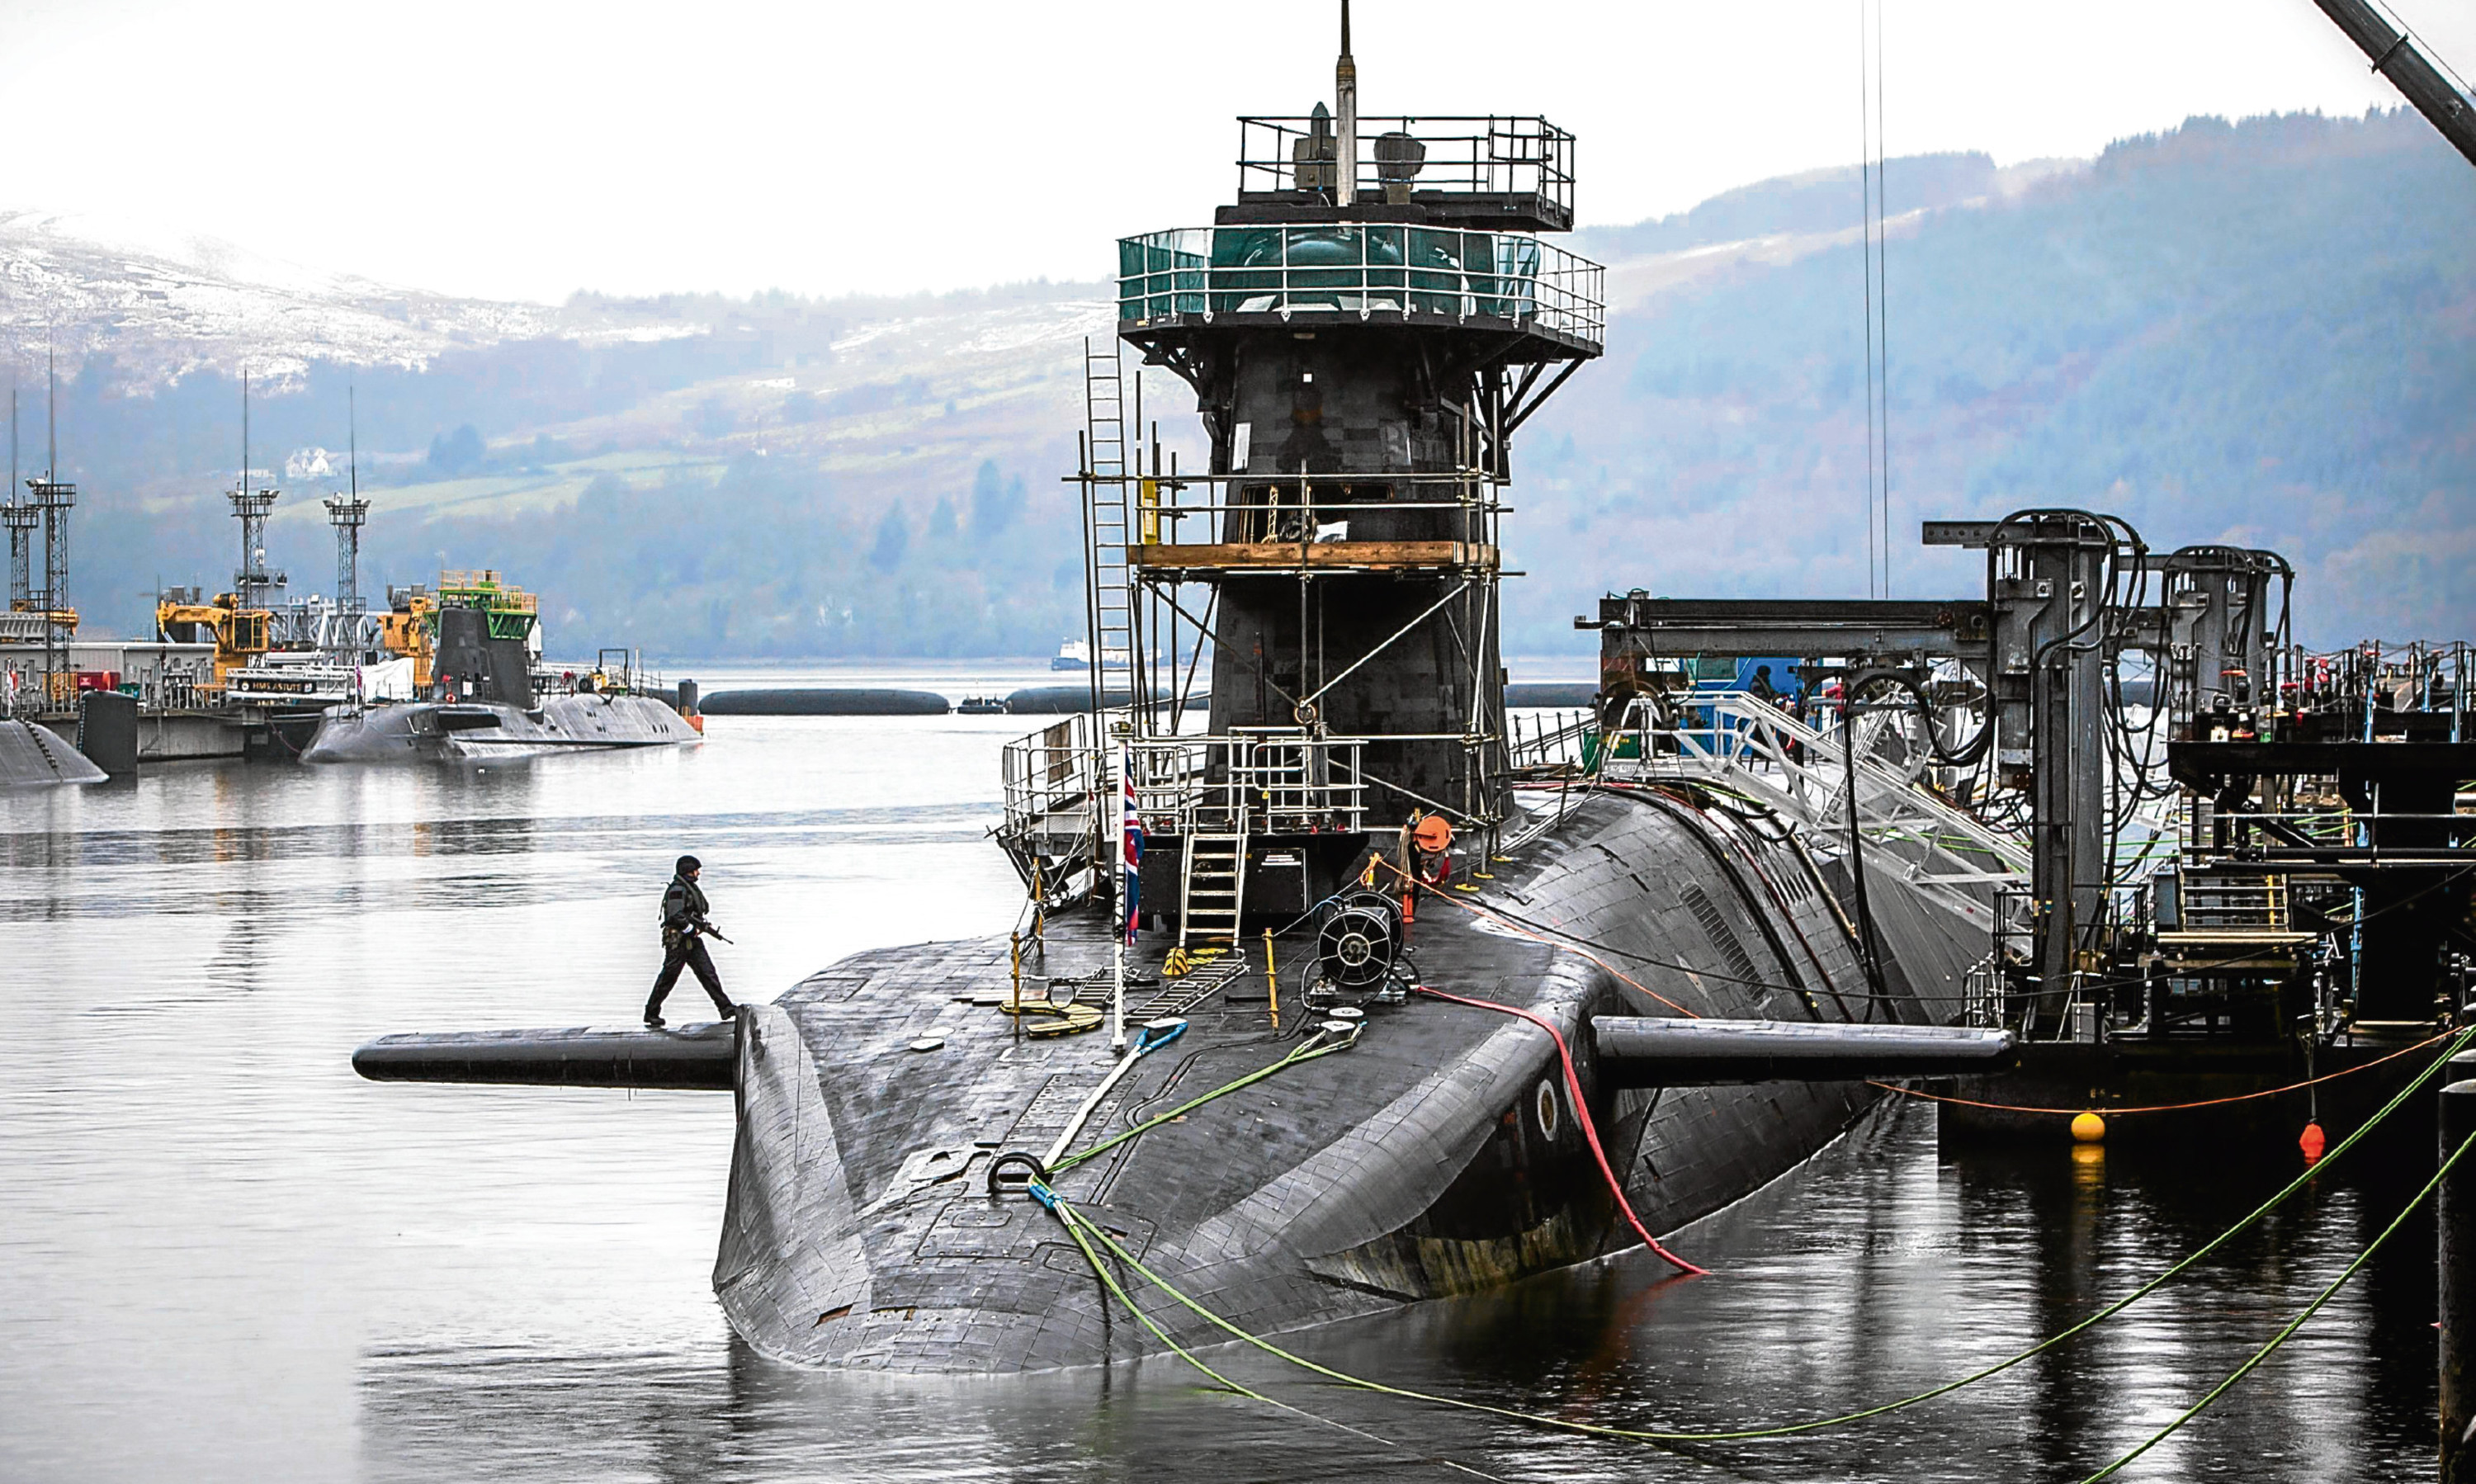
348 514
21 518
50 504
251 585
1345 90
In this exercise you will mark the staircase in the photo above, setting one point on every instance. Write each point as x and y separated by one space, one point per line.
2231 908
1211 889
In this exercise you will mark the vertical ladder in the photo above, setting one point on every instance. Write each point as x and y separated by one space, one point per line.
1111 605
1211 889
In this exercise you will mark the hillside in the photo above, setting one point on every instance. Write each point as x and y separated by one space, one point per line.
2262 333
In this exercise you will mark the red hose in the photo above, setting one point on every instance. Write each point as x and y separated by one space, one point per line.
1581 1115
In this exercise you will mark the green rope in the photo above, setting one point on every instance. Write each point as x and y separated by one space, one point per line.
1075 1228
1072 1218
2293 1324
1303 1054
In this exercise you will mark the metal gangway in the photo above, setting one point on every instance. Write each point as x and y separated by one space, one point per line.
1737 741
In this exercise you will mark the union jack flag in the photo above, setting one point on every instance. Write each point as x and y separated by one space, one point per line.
1132 852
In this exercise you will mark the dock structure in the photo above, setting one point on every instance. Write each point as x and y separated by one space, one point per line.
2210 861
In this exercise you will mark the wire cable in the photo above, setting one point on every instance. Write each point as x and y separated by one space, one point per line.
1581 1115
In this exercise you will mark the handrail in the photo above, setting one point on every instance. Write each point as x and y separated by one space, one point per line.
1454 155
1263 780
1746 736
1365 270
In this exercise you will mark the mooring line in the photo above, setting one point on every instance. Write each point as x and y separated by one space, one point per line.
1076 1221
2165 1107
1075 1226
2293 1324
1306 1052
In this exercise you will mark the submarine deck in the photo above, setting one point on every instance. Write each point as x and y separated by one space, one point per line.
1438 1154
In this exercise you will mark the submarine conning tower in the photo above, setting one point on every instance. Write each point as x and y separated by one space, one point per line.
1365 328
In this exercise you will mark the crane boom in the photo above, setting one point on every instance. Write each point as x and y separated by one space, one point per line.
2396 57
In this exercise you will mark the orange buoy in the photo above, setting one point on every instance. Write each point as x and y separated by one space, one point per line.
2089 1128
2313 1142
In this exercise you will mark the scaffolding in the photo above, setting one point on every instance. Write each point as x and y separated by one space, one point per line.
21 520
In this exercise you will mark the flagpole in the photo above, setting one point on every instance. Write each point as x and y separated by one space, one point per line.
1125 904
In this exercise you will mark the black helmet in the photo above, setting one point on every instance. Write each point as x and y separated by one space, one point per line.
688 863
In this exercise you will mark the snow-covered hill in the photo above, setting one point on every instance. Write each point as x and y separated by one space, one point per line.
162 305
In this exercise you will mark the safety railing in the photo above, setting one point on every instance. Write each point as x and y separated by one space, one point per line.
1736 736
1252 782
1292 509
1257 781
1050 778
1553 741
1527 161
2224 905
1362 269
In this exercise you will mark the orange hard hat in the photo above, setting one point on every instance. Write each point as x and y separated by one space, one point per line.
1432 833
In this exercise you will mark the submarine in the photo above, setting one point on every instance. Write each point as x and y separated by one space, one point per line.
488 701
1342 994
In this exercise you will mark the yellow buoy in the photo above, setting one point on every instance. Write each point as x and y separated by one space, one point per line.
2089 1128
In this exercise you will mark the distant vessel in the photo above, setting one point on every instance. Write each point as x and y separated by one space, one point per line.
1076 655
485 696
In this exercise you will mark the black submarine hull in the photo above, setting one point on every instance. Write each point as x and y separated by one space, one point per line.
1440 1154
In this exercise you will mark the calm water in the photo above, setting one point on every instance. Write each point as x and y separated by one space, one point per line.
222 1255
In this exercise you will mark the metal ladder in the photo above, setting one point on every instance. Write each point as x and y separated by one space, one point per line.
1211 889
1104 473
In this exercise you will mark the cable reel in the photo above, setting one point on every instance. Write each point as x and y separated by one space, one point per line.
1359 941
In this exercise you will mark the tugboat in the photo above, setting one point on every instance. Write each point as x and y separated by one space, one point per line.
1347 1001
485 697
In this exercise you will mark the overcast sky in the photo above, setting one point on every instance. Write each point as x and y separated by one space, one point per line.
526 150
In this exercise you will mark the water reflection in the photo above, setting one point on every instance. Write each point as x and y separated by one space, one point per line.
1885 1269
223 1256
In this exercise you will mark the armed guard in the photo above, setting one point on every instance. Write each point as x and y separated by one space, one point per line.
684 928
